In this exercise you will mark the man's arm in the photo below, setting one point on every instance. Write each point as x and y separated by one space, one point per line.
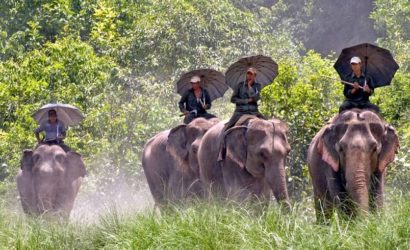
182 101
207 104
347 91
369 88
38 131
255 97
63 131
236 98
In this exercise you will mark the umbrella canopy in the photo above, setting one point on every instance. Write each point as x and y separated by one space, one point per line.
266 70
211 80
377 63
66 113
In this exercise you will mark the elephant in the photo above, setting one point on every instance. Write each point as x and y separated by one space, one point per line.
170 162
49 180
252 162
347 161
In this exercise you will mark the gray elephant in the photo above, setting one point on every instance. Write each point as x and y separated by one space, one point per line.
252 162
170 162
49 180
347 163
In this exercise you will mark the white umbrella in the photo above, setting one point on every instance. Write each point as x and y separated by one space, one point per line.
266 70
211 80
66 113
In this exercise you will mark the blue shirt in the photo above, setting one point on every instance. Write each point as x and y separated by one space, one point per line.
52 130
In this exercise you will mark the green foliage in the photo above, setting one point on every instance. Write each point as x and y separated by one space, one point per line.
117 61
66 71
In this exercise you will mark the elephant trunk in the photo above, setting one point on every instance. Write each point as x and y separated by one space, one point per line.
357 184
276 178
45 185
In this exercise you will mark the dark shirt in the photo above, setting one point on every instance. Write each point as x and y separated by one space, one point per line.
189 102
241 95
360 95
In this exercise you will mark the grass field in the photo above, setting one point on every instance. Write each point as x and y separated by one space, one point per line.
213 226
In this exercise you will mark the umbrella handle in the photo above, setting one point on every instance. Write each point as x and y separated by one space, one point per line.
202 102
344 82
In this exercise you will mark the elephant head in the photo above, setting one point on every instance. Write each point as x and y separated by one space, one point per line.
260 148
358 145
49 179
184 141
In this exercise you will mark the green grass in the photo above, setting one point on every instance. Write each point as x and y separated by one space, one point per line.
213 226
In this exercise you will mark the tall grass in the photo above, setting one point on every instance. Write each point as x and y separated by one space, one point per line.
213 226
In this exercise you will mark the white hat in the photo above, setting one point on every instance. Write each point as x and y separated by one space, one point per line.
355 59
195 79
252 70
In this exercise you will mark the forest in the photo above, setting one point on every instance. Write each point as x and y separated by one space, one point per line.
118 62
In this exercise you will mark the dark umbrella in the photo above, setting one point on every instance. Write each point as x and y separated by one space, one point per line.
266 70
66 113
377 62
211 80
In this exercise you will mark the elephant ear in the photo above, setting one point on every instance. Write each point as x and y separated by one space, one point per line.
280 128
27 160
234 147
176 146
327 147
390 146
75 167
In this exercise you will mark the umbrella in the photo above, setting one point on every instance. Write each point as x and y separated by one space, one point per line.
378 63
266 70
66 113
213 81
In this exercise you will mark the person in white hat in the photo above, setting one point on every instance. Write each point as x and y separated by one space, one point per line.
195 101
357 95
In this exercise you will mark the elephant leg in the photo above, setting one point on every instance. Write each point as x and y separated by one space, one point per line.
376 191
336 191
324 208
65 198
27 196
158 188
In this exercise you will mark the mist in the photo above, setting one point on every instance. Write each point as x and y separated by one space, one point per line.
119 197
337 24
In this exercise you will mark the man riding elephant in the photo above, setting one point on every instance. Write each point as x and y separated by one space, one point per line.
49 180
195 101
55 131
357 95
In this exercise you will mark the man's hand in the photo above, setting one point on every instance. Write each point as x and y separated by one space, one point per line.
185 112
356 87
38 138
367 89
250 100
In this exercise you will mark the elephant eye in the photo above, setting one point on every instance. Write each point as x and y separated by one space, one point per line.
339 148
36 158
59 158
377 130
